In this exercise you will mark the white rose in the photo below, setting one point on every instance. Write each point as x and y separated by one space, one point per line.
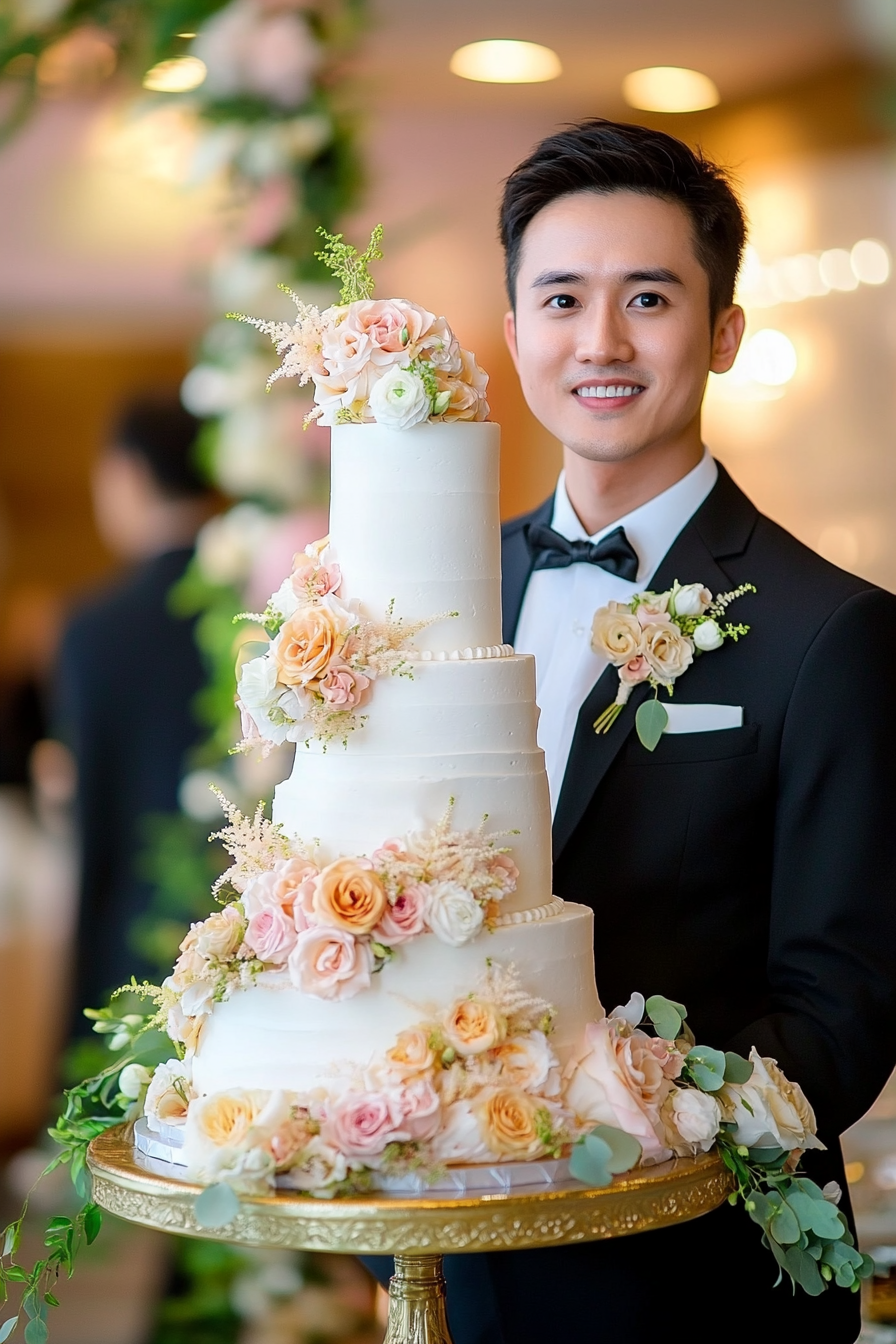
285 600
707 636
696 1118
257 685
399 399
197 999
460 1137
691 599
133 1079
530 1063
452 913
769 1110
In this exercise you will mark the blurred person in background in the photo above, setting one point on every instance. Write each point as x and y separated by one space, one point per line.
127 675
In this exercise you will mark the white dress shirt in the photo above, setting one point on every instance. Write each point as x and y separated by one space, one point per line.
559 605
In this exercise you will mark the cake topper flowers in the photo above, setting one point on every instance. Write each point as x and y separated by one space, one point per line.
655 638
374 361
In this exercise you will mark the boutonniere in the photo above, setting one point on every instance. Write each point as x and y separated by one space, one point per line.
654 638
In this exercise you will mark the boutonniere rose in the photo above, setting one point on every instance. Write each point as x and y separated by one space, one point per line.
655 638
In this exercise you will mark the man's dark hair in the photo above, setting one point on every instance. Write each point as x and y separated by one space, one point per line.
605 156
158 430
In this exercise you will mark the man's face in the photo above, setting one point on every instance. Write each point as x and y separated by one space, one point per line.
611 336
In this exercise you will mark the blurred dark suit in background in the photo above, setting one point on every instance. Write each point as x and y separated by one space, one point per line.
128 671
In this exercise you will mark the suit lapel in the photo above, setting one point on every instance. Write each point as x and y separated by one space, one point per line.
516 567
721 527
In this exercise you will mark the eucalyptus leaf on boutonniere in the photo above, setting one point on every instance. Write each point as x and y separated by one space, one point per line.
654 638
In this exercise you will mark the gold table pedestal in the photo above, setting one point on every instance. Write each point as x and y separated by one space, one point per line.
417 1230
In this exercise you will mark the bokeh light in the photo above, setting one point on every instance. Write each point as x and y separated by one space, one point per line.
669 88
769 357
179 75
501 61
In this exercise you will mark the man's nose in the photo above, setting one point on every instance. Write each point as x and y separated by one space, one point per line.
604 337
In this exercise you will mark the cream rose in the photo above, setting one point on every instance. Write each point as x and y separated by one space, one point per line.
691 599
530 1063
692 1120
769 1110
221 934
616 634
226 1125
349 895
509 1122
460 1138
399 400
330 964
411 1054
452 913
667 651
319 1165
284 885
169 1095
472 1026
708 636
308 642
621 1078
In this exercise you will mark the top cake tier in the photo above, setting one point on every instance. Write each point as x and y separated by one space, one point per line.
414 523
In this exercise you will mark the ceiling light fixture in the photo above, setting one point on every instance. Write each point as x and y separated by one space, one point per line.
669 88
501 61
179 75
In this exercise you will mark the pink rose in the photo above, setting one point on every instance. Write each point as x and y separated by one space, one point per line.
342 687
503 869
330 963
271 935
360 1124
420 1108
622 1078
311 579
248 726
384 323
403 920
281 886
389 849
635 670
653 613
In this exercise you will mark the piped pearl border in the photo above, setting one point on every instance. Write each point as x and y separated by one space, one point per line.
537 912
458 655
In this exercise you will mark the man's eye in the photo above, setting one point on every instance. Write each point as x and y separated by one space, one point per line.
648 300
562 301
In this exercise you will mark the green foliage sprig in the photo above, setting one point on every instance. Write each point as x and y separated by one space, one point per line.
91 1108
347 266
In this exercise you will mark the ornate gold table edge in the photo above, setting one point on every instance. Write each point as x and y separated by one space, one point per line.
648 1198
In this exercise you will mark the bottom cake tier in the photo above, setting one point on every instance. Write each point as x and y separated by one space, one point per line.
274 1036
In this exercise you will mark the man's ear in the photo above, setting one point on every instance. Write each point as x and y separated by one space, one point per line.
510 337
727 336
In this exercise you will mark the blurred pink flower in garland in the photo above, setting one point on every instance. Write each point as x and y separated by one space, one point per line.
261 49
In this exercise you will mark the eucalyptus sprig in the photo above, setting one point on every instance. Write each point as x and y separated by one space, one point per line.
91 1108
347 266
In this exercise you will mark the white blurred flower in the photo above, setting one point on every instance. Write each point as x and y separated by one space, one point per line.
226 546
133 1079
257 455
249 49
195 795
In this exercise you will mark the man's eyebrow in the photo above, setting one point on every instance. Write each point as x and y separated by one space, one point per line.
655 275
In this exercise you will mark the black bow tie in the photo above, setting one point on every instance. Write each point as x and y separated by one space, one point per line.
614 552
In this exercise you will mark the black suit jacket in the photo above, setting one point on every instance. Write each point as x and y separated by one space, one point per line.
747 873
128 673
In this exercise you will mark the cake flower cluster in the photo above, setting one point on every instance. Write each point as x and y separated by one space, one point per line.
322 660
327 929
654 638
374 361
478 1082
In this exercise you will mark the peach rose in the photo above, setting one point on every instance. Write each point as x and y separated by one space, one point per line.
667 651
342 688
509 1122
622 1078
616 634
472 1027
505 872
411 1053
349 895
404 919
271 935
282 886
330 964
169 1095
311 579
308 642
290 1139
635 670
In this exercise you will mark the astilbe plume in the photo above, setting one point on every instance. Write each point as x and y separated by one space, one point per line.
255 844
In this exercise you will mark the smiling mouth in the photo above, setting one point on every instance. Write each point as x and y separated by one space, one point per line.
609 391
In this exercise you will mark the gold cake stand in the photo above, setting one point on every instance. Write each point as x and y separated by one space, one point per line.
420 1230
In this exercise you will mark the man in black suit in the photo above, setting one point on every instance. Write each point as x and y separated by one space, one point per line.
745 866
128 672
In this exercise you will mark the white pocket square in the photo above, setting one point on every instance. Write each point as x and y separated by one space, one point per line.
702 718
